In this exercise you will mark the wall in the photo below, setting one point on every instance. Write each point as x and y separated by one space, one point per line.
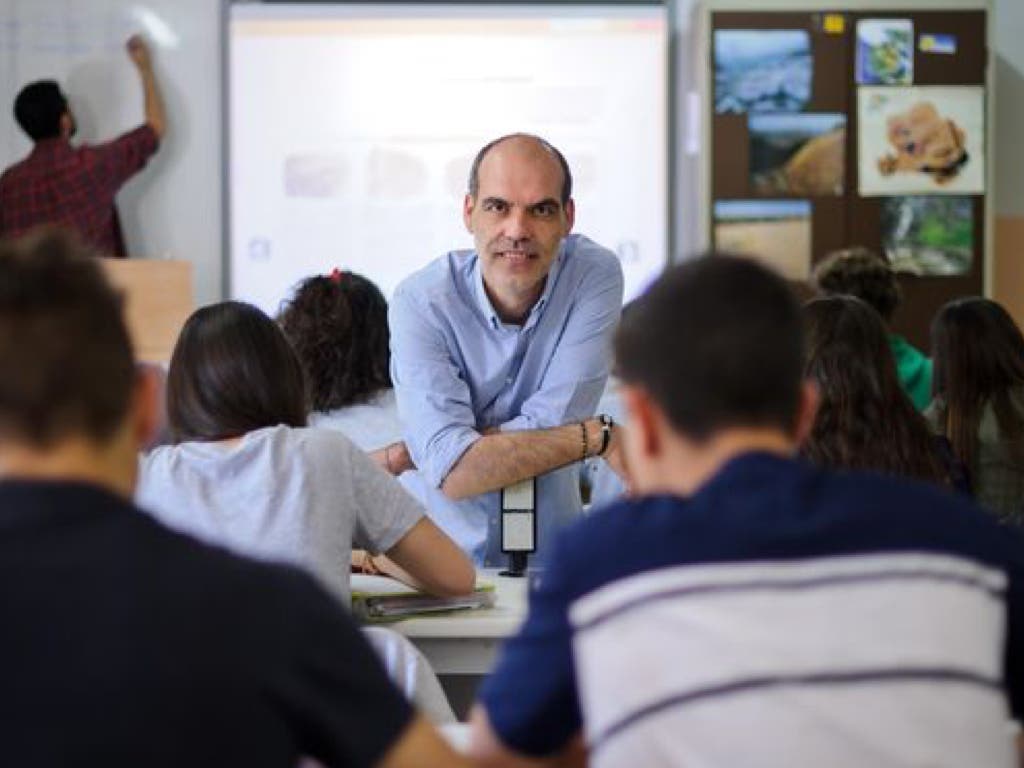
1008 55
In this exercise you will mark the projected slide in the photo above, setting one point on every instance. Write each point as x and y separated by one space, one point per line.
352 129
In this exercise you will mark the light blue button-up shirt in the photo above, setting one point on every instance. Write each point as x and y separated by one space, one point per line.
458 371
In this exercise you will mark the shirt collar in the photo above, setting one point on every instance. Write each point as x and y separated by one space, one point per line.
54 146
484 301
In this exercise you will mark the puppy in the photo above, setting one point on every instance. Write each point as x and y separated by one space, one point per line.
925 142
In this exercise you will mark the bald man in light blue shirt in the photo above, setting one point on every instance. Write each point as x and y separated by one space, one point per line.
500 354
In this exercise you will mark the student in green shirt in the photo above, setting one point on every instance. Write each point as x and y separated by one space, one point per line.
863 273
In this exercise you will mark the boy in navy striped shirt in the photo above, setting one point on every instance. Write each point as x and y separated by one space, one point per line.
743 608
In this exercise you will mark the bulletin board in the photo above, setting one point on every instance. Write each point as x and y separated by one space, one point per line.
834 129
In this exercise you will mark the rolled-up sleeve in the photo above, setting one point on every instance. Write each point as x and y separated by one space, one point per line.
433 399
579 368
124 156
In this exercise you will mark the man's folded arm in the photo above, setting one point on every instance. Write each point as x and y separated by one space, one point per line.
499 459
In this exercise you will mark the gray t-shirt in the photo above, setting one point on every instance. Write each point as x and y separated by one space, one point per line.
304 496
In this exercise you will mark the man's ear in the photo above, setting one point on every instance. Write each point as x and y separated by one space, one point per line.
148 411
643 417
468 204
807 411
67 125
570 214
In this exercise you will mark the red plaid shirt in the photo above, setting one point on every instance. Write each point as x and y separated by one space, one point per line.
74 187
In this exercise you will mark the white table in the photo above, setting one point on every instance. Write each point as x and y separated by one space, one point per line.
467 642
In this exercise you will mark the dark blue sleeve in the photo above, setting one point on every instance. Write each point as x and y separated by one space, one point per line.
531 697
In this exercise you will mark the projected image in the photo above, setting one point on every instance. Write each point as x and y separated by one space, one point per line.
774 232
929 235
885 52
315 175
353 129
799 155
762 70
926 140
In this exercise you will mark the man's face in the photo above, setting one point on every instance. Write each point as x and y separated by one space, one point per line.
517 221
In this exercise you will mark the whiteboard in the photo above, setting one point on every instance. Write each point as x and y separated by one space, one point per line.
173 208
352 129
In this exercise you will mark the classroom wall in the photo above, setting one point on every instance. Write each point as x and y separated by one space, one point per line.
196 123
1008 55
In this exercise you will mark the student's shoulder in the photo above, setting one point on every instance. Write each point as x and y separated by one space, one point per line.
894 510
624 537
315 444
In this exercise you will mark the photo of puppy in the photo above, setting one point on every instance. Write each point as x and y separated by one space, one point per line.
925 142
921 140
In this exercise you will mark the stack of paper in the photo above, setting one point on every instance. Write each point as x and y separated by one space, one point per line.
381 598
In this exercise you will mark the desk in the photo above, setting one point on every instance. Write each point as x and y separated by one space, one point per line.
467 642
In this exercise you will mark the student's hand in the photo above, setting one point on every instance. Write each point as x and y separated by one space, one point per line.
397 458
393 458
138 52
363 562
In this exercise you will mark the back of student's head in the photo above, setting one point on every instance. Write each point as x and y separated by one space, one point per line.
862 273
65 354
338 326
38 108
232 372
977 348
717 342
978 354
865 420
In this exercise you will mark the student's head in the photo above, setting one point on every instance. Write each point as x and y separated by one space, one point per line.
715 346
71 402
232 372
864 420
978 354
42 111
338 326
862 273
518 208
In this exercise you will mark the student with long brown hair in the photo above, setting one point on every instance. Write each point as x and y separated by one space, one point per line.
979 399
247 473
865 419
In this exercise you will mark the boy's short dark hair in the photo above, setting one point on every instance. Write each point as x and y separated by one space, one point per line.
717 342
233 371
863 273
38 109
65 353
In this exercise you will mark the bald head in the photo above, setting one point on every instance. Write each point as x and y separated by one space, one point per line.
525 144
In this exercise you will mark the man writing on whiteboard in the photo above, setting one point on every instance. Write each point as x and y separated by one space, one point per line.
71 186
500 354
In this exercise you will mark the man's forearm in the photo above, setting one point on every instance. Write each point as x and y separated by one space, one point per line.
499 459
153 102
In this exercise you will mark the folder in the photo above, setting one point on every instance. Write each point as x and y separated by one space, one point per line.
381 598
